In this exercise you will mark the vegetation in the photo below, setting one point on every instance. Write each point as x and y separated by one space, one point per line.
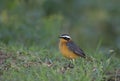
37 64
29 31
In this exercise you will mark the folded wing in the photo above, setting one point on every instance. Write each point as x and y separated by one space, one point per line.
74 48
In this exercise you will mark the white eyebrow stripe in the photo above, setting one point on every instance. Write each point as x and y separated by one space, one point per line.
66 36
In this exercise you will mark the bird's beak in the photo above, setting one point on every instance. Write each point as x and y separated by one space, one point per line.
60 37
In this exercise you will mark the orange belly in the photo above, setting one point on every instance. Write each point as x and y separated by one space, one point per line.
66 52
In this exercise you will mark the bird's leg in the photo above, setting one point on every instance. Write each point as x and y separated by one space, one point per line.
73 60
72 63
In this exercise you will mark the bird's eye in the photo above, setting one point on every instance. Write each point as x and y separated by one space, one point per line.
67 38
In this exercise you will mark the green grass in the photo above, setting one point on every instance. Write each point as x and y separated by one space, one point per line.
29 33
39 64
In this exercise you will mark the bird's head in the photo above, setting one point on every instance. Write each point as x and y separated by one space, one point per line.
65 37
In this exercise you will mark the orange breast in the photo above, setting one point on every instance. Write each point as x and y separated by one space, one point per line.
66 52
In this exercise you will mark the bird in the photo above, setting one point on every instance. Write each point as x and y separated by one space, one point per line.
69 49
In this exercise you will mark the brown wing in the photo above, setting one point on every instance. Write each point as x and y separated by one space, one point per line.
73 47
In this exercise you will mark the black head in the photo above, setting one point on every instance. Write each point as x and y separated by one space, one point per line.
65 36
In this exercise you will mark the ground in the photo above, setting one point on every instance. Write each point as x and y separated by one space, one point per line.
40 64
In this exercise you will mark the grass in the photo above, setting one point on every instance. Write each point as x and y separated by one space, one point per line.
29 36
19 63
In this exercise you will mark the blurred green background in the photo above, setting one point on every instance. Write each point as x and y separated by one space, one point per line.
40 22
